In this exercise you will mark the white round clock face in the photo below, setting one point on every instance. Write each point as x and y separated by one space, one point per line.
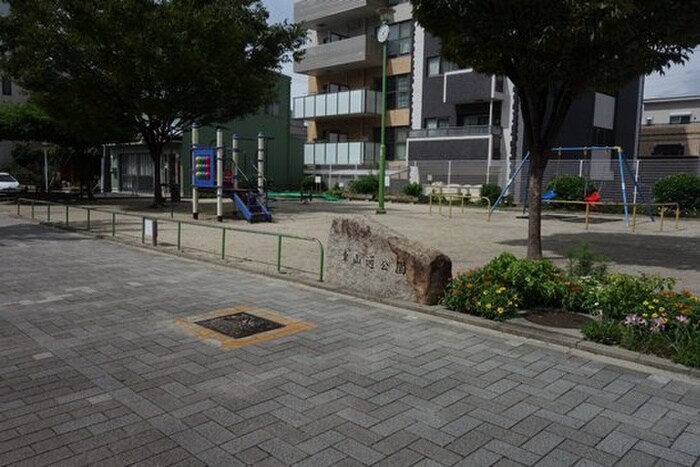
383 33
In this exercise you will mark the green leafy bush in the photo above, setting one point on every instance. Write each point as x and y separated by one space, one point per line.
308 183
623 292
583 262
365 185
607 331
477 293
580 294
539 282
571 187
413 189
680 188
527 283
490 191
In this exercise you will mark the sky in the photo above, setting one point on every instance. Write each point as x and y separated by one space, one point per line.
679 80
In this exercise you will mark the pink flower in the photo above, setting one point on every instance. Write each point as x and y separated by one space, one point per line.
657 325
682 319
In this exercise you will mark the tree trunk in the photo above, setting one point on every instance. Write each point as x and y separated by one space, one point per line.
538 163
158 200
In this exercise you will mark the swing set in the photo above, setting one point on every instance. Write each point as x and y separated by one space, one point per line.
590 199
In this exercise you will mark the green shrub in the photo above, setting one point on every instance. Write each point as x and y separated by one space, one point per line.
571 187
680 188
606 331
580 294
490 191
413 189
308 183
477 293
583 262
538 282
622 293
365 185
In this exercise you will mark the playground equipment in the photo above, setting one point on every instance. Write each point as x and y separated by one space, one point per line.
592 198
209 173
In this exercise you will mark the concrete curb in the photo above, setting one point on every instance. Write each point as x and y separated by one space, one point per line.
528 331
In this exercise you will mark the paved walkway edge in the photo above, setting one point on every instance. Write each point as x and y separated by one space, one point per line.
528 331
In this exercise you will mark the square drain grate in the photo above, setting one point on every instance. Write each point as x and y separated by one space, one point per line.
239 325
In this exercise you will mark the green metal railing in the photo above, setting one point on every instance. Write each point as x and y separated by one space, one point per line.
178 226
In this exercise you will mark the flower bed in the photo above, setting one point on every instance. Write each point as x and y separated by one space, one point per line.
636 312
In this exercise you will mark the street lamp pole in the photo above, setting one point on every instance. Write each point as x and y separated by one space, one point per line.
382 36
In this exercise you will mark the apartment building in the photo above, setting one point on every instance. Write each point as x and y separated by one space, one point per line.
436 112
671 127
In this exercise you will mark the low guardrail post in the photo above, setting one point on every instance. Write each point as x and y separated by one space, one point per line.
223 243
279 253
179 236
88 218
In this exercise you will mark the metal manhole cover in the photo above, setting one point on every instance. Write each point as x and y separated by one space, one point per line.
239 325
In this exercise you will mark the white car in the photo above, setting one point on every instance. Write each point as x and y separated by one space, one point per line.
8 183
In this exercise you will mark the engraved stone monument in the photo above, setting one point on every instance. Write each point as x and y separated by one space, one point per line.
368 257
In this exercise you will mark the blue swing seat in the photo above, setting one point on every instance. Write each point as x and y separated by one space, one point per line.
551 194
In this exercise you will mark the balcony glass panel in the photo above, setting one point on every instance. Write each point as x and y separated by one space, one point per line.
356 101
320 105
308 154
344 103
320 153
332 104
343 151
309 106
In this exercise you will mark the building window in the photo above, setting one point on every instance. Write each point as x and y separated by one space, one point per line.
272 109
398 91
439 65
673 119
332 88
433 123
400 40
6 86
396 143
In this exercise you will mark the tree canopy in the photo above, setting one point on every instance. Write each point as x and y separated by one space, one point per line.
557 50
155 66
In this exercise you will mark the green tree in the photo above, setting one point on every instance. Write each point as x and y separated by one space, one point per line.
77 134
556 50
156 66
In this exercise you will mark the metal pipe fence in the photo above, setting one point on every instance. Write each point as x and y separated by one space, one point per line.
221 242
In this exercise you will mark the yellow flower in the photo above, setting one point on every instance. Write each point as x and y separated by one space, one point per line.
654 315
510 303
656 300
662 309
645 303
478 303
645 315
498 291
500 310
651 307
488 306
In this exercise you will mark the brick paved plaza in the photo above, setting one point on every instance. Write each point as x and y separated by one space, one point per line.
96 367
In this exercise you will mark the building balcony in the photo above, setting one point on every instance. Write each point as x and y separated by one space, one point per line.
351 53
455 132
359 102
346 153
319 13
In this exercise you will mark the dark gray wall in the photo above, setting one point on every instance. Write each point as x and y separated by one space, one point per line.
469 149
462 88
